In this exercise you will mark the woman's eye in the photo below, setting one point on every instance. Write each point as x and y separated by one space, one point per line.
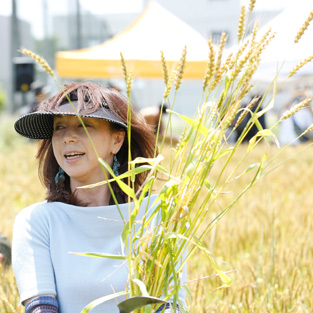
58 127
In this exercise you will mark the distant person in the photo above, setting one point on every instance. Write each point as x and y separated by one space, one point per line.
297 123
40 91
253 130
152 116
5 250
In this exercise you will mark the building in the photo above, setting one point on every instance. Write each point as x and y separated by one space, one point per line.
26 40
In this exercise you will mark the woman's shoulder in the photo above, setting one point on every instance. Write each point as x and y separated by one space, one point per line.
36 210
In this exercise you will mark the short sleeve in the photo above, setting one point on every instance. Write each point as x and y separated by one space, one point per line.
31 257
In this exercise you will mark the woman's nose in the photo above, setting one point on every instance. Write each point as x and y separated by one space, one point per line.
70 135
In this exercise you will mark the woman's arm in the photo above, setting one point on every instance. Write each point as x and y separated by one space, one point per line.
31 257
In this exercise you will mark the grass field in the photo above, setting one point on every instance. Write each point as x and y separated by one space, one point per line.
266 239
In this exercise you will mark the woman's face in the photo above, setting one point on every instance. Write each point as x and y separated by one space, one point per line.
74 152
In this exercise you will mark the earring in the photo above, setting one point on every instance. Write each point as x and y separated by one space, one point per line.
59 177
116 165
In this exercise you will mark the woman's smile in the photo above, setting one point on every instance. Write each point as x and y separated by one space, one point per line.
73 156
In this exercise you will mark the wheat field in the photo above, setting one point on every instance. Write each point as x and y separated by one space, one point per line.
265 241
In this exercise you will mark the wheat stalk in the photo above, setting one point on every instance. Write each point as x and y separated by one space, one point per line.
304 27
296 108
41 61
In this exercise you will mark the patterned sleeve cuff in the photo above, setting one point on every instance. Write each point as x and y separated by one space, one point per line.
168 309
48 303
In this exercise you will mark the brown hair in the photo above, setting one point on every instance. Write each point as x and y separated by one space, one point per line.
90 97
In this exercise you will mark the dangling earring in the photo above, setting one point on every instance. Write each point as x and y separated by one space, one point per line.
59 179
116 165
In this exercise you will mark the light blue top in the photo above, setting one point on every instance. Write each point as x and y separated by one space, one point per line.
45 233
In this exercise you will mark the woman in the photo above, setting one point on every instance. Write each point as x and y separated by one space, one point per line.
50 278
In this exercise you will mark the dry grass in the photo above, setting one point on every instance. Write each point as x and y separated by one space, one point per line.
266 237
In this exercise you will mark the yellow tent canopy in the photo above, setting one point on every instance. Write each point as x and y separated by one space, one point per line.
155 30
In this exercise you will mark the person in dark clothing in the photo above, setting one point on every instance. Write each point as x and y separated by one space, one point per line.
41 92
254 109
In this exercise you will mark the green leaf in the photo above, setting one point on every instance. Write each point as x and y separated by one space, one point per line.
209 186
186 288
151 161
101 255
142 287
96 302
224 152
133 171
134 303
126 189
200 245
248 169
267 108
261 133
137 170
194 124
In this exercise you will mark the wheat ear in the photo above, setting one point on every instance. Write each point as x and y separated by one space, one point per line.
164 68
309 129
231 114
304 27
296 108
41 61
181 68
251 5
124 67
241 23
301 64
220 50
246 110
211 66
169 85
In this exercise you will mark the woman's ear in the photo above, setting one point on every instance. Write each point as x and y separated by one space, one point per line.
118 139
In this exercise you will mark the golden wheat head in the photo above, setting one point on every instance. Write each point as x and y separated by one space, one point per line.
304 27
181 68
41 61
241 23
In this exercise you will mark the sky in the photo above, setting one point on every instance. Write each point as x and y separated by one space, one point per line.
28 9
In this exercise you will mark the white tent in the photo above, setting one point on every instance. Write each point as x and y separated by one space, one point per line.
154 30
282 54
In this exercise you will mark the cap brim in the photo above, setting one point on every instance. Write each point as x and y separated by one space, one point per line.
39 124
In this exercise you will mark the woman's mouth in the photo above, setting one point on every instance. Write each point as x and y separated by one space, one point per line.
73 155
